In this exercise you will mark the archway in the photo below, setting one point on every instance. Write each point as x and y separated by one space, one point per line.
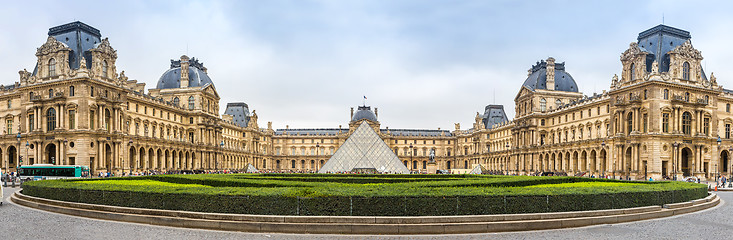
627 162
575 162
132 159
108 157
140 163
12 157
603 161
151 159
50 153
685 159
724 161
159 160
584 162
592 161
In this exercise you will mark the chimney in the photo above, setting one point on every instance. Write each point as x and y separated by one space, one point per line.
550 73
376 113
184 71
352 113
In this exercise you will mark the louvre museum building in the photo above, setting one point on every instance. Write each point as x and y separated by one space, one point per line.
662 116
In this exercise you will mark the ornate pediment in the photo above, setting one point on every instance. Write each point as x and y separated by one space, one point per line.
105 48
51 46
686 50
631 52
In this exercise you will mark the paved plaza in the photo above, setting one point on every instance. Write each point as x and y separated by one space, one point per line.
18 222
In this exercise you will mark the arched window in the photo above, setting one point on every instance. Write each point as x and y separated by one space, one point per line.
104 69
30 95
707 98
51 119
666 94
190 103
543 104
52 67
175 101
558 103
686 123
292 163
71 91
632 72
629 123
686 71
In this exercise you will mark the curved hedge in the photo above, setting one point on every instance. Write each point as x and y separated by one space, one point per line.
365 195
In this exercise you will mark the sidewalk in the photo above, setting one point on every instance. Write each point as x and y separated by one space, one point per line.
727 187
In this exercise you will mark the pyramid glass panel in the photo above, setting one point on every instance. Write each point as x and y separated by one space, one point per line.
364 150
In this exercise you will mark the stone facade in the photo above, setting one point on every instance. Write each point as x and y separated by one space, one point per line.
662 117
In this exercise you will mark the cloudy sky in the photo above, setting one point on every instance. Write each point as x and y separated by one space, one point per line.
424 64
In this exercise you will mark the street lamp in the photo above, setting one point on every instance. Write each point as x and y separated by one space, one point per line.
509 155
717 172
63 160
674 165
317 154
216 163
123 159
17 152
410 154
26 153
603 146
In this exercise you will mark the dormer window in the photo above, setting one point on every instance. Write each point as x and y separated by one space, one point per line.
104 68
52 67
633 72
686 71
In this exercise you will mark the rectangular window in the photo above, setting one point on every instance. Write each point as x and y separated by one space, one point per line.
31 121
10 126
727 131
645 122
72 119
665 122
706 126
91 119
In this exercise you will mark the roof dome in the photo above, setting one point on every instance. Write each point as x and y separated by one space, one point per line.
364 112
197 76
537 78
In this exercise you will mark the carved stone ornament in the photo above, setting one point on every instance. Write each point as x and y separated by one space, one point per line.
24 75
631 52
614 80
655 67
105 48
83 63
713 80
686 50
51 46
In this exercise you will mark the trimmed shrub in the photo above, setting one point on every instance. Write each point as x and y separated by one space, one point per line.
365 195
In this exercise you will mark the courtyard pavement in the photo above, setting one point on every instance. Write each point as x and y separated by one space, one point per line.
18 222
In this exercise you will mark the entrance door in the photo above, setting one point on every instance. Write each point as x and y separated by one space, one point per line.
685 162
51 153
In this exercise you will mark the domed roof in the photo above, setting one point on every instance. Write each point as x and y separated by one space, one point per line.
197 76
537 79
364 112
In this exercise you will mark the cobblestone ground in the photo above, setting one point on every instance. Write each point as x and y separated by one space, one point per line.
17 222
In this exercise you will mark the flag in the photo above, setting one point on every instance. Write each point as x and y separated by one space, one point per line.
364 97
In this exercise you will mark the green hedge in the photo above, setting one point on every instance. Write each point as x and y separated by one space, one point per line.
330 195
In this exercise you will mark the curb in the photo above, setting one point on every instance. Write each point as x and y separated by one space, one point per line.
364 225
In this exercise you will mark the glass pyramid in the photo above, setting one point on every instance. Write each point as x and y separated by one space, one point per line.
364 151
252 169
